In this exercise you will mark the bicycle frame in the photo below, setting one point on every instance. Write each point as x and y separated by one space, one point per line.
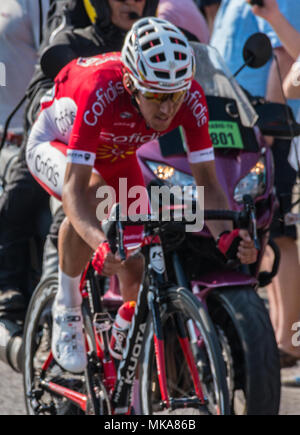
149 299
119 384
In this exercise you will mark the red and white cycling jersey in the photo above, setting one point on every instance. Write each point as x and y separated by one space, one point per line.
91 112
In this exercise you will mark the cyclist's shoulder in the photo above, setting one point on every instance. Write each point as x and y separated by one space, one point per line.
194 102
193 114
91 73
108 63
102 66
196 89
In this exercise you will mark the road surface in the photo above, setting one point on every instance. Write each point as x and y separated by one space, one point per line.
12 401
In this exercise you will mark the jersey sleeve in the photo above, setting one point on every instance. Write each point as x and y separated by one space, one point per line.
195 126
91 112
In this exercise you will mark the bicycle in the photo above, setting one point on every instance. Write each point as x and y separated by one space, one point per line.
198 383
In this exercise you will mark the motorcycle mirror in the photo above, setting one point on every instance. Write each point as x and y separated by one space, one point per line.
257 51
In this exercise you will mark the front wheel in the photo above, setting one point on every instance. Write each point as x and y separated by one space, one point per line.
206 351
250 348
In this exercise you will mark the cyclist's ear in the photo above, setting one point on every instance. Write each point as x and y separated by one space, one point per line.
128 85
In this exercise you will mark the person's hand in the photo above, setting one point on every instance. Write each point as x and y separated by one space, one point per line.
247 253
269 11
105 262
237 244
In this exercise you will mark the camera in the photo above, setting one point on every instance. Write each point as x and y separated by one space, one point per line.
257 2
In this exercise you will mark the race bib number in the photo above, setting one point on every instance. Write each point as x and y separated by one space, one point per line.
225 134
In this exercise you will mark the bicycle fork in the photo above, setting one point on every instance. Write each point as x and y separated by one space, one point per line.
159 346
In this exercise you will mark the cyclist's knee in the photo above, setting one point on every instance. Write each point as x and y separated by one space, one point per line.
74 252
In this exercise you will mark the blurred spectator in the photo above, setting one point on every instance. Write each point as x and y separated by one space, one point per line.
289 36
21 25
209 8
291 88
234 23
186 16
291 84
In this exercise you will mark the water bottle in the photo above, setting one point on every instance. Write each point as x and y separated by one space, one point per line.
120 329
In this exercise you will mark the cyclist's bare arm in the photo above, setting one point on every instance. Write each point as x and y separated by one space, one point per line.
79 202
214 196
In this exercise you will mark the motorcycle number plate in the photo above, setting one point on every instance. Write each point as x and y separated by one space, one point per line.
225 134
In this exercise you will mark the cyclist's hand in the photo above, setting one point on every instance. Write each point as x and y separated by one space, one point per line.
247 253
105 262
237 244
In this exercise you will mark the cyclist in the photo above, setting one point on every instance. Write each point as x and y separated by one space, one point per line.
99 112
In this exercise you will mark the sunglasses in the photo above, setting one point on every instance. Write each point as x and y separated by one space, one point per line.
162 97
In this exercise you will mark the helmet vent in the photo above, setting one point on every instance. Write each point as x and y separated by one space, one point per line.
131 65
180 56
178 41
129 54
181 73
162 75
144 69
158 58
151 44
169 29
143 23
147 32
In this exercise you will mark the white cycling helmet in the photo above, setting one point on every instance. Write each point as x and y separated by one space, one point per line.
158 57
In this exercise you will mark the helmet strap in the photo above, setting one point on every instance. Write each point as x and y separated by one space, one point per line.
132 91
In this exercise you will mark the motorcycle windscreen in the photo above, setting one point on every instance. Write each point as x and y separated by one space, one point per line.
216 80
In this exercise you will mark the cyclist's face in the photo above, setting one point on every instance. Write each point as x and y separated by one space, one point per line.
121 9
159 114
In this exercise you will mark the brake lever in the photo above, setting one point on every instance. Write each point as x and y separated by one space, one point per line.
120 240
113 229
251 213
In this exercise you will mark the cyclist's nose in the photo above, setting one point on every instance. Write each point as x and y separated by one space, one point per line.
167 107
